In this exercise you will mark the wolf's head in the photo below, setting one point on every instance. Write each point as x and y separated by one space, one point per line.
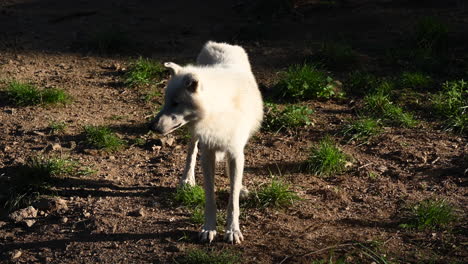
180 105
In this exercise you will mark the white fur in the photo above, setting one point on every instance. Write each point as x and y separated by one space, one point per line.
228 110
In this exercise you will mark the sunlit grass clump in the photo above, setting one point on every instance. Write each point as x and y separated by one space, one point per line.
143 72
102 137
276 194
291 116
190 196
26 94
451 104
431 214
326 159
305 81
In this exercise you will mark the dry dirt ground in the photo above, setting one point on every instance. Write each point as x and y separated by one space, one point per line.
42 41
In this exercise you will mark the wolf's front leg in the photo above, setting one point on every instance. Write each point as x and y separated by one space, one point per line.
208 160
236 169
188 178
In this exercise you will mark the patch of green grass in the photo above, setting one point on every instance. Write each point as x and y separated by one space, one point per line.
326 158
361 129
102 137
197 215
338 56
276 194
291 116
57 127
431 214
108 41
139 141
33 178
143 72
380 106
190 196
24 94
415 80
55 96
451 104
360 83
198 256
302 82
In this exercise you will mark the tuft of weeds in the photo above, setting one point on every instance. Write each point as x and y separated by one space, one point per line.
431 214
102 137
57 127
276 194
24 94
197 256
190 196
326 158
292 116
380 106
452 104
415 80
337 56
33 178
306 82
143 72
361 129
360 83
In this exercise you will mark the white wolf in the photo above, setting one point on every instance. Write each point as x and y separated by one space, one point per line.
220 101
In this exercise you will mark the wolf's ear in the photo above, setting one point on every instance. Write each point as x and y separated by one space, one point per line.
191 83
173 68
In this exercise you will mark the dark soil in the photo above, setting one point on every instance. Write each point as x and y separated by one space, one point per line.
50 43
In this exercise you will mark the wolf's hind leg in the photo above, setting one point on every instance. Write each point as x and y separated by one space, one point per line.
236 170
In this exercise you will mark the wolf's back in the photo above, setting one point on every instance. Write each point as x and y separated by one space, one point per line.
223 54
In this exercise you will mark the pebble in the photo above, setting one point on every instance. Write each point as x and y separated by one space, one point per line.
16 254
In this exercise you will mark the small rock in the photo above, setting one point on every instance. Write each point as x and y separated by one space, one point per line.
382 168
2 224
56 147
51 204
39 133
29 222
87 214
23 214
64 220
6 149
16 254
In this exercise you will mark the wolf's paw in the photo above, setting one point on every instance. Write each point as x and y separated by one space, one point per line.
207 235
187 182
234 236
